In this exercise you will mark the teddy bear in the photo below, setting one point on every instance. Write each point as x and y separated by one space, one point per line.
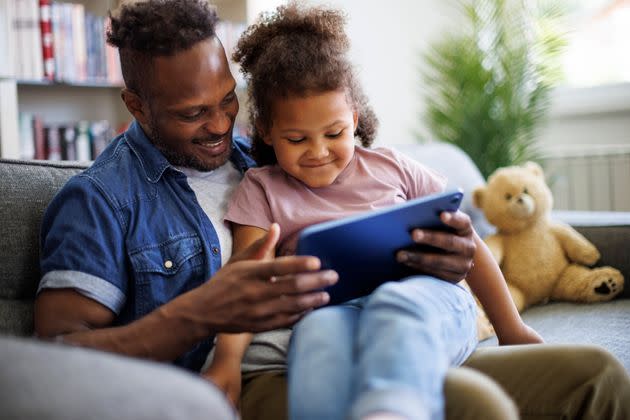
540 259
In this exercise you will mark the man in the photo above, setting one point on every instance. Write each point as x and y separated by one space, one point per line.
132 248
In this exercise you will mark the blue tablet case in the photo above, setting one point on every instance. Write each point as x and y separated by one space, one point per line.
362 248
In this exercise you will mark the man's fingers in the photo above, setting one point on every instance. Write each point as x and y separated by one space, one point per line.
459 221
290 286
294 304
446 267
449 242
305 282
279 266
268 244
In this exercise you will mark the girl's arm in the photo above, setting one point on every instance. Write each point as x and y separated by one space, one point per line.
225 369
486 281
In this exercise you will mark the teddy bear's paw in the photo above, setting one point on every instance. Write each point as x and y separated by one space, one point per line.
609 284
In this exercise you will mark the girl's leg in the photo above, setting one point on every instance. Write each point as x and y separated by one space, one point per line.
410 332
320 363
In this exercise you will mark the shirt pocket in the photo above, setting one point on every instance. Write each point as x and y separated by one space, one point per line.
165 270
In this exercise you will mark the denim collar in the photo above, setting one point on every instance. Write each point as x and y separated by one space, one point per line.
154 163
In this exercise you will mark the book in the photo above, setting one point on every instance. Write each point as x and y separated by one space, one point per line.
45 25
101 133
53 144
78 42
35 41
82 141
7 38
27 140
67 138
56 16
39 138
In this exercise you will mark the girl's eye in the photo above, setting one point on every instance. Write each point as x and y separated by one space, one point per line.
334 135
301 139
508 196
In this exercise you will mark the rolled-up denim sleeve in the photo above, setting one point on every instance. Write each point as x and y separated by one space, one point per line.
83 244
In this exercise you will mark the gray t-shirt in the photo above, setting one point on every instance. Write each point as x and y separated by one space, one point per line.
268 350
213 190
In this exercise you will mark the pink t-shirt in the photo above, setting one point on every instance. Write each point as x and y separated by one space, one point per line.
374 178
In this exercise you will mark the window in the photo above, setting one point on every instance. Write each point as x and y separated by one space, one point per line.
597 51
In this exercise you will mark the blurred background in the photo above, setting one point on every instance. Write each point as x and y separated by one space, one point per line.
529 79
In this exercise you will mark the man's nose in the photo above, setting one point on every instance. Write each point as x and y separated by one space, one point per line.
218 122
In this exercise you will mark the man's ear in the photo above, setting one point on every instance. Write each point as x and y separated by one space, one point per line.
135 105
263 133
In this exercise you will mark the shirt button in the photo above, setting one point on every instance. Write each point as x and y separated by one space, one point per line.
168 264
215 250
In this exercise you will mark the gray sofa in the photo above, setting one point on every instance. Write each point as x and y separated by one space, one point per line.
27 187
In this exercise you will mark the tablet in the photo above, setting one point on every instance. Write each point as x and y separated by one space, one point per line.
362 248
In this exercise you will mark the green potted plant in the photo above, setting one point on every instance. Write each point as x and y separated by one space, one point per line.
489 84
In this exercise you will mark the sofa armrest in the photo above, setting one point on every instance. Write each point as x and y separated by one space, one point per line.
47 381
609 232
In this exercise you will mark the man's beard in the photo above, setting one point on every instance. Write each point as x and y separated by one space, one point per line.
180 159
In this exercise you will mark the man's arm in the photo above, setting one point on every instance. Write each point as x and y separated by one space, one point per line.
67 315
239 298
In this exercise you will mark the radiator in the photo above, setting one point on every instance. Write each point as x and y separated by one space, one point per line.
591 178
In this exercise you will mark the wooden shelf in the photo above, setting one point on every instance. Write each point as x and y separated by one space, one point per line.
86 84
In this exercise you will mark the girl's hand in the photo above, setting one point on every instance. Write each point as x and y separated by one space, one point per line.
524 335
227 377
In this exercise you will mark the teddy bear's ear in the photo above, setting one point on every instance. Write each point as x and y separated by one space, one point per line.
534 168
477 197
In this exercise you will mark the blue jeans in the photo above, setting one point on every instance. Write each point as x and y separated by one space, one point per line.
386 352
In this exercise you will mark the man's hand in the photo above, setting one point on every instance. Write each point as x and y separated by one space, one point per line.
253 295
459 249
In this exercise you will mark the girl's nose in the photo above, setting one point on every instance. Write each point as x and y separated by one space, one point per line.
319 150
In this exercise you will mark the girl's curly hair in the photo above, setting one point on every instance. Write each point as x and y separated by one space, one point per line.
294 51
150 28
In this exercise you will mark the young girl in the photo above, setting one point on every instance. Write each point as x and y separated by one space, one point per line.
384 355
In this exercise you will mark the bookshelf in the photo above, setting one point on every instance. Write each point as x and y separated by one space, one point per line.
71 100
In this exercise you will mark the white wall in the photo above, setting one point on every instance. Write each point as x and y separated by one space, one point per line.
388 39
387 42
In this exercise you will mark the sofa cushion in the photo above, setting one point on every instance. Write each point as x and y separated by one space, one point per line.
603 324
452 162
26 189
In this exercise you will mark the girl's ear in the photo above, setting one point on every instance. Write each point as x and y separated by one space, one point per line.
263 133
355 116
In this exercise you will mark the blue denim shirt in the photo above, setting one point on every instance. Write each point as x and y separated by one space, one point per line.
129 233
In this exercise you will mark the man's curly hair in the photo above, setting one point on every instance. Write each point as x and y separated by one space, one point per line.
296 51
145 29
